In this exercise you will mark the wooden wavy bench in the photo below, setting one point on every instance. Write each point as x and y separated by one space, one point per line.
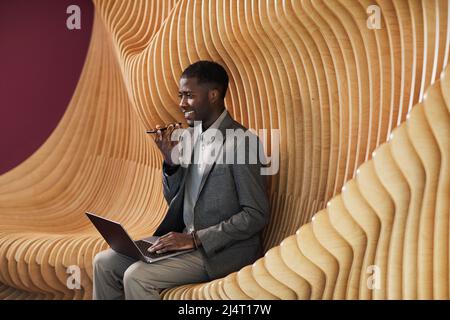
334 88
392 218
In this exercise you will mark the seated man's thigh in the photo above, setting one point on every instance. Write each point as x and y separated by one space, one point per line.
170 272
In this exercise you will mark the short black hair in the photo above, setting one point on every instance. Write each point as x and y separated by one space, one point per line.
208 72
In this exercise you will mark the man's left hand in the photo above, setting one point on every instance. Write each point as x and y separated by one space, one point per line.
172 241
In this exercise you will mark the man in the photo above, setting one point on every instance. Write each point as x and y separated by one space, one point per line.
217 208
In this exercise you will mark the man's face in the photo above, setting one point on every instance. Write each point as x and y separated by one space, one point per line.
194 101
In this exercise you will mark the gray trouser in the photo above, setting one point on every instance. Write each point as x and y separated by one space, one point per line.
120 277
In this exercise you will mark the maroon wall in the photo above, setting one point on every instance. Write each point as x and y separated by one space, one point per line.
40 64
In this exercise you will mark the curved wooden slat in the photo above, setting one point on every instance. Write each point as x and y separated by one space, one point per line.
382 219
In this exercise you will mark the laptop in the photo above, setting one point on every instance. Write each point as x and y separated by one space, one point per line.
120 241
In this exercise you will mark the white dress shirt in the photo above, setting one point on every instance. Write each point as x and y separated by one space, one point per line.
203 151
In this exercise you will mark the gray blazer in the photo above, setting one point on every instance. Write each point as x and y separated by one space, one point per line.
231 209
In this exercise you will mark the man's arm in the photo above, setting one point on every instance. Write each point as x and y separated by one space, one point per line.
171 180
171 172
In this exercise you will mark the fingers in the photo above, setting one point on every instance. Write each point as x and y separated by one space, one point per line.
170 126
161 247
167 235
158 135
176 139
165 249
158 248
165 243
163 132
158 245
169 131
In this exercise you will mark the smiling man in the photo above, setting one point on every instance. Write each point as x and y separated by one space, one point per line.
216 208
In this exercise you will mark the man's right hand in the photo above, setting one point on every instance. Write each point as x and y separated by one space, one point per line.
164 143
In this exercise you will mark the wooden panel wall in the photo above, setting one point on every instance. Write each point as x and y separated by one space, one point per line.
386 236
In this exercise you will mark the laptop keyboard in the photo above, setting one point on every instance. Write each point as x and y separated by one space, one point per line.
144 245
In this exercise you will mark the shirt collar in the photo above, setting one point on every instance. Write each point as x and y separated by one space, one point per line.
215 125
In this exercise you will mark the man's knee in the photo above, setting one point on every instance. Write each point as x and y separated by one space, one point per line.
138 282
104 260
136 274
133 274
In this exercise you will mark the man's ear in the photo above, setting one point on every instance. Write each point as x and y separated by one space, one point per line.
213 95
